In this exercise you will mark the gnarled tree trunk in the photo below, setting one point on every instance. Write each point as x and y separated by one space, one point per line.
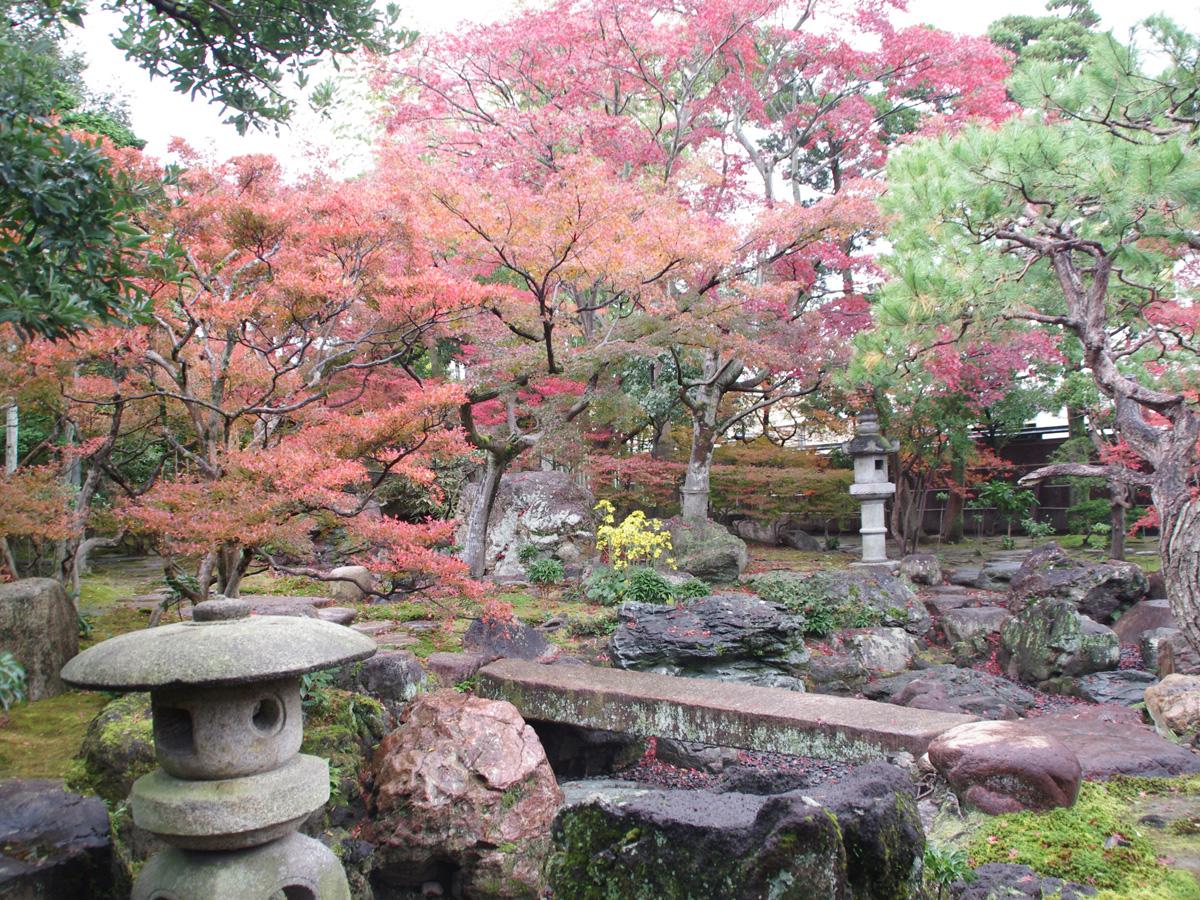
474 543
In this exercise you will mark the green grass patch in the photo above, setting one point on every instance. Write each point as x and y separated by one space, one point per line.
40 740
114 621
284 585
1095 842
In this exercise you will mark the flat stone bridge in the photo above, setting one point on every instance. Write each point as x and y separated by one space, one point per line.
718 713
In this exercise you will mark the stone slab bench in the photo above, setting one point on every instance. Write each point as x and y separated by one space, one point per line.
719 713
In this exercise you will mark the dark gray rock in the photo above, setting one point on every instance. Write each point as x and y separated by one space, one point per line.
691 755
859 838
53 844
1150 643
942 603
1049 639
763 781
1098 590
999 571
707 550
994 881
512 639
1125 688
733 637
790 536
38 626
953 689
836 673
394 676
889 598
921 568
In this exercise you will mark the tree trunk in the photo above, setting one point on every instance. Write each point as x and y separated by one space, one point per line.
1118 503
474 546
704 405
697 482
952 523
1179 548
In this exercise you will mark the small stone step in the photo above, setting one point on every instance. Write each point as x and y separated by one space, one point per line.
339 615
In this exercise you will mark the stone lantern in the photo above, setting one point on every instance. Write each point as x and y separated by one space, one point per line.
233 787
871 486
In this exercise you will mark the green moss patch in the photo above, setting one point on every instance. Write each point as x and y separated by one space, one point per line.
40 740
344 728
1096 842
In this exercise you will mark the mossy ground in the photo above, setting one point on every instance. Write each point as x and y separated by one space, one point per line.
41 740
1098 842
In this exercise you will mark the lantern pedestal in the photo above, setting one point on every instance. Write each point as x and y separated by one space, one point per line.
233 787
871 487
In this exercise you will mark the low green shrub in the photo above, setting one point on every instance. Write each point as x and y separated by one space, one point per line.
810 599
642 584
12 681
545 571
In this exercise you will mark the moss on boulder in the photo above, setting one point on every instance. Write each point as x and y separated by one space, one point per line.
861 838
117 749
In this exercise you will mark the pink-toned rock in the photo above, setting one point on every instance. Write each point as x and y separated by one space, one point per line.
1177 656
1174 704
999 767
1143 617
1111 740
462 782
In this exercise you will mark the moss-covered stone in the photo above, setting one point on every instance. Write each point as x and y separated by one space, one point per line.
1095 842
1050 638
117 749
859 839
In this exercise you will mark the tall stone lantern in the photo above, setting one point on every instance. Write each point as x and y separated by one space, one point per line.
233 787
871 486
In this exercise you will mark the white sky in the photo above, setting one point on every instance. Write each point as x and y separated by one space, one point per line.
159 114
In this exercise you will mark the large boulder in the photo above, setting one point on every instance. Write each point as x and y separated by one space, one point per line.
548 511
969 622
354 584
1110 740
39 627
861 837
998 767
780 532
921 568
391 676
953 689
732 637
462 786
53 844
1050 638
1174 705
886 599
882 651
505 639
1098 590
117 749
706 550
1143 617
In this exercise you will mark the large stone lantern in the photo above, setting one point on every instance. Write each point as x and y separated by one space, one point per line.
233 787
871 486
